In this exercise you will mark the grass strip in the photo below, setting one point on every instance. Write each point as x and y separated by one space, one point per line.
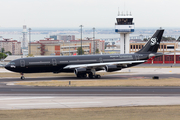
112 113
120 82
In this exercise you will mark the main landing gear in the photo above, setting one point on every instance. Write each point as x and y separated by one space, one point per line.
91 75
22 77
94 76
84 75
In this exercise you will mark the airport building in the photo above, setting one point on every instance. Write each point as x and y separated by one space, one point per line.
24 39
63 37
50 46
124 27
169 49
10 45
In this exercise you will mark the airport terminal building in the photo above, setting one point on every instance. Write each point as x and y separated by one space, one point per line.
169 49
50 46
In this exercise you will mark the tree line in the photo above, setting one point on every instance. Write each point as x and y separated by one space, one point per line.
79 51
4 54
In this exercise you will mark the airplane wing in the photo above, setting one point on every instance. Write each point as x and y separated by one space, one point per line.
95 65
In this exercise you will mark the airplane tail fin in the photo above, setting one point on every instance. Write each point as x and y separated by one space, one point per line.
153 43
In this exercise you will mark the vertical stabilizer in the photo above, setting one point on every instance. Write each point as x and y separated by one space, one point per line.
153 43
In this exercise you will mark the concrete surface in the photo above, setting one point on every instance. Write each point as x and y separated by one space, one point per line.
15 102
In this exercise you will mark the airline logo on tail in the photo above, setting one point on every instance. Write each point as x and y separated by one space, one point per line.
154 41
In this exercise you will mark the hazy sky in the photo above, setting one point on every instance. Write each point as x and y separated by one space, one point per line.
90 13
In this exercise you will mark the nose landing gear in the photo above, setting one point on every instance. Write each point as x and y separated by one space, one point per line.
22 77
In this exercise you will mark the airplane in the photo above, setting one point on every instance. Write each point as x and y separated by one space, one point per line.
87 65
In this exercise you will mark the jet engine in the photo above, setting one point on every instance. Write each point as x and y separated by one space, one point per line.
112 68
80 71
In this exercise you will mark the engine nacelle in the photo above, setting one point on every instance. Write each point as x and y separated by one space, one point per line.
112 68
80 71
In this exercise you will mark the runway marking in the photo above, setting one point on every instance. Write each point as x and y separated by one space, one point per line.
24 98
81 95
57 103
79 102
35 104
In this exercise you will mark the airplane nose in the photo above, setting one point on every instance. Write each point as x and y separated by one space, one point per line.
7 67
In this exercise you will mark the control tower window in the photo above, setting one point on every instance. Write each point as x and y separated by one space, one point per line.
124 21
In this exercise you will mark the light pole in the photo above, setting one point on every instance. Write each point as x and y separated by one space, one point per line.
3 55
81 37
94 39
69 44
29 41
2 50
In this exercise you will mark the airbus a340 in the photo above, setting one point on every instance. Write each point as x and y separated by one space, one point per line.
86 65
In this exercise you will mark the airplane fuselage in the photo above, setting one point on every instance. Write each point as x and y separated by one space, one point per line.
56 64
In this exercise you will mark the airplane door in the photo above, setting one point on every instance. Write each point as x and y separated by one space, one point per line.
54 62
137 57
22 63
100 60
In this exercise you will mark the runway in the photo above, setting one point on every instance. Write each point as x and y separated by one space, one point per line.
7 89
33 97
91 91
28 97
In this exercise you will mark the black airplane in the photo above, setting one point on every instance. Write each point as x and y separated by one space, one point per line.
83 65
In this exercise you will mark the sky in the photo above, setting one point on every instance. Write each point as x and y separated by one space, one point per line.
89 13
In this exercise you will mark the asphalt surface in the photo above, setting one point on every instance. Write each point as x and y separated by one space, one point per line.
34 97
108 91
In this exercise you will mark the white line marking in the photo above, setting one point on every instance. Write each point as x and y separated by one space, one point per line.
24 98
58 103
36 104
80 102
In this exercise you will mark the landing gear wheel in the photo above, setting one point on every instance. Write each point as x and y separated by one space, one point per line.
78 76
85 76
22 77
82 76
91 76
98 76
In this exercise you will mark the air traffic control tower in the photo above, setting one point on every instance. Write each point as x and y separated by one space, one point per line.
124 27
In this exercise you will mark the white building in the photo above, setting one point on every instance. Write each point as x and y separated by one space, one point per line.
24 38
124 27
